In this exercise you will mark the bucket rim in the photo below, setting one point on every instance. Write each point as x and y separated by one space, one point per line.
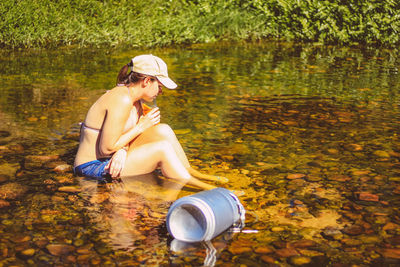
202 207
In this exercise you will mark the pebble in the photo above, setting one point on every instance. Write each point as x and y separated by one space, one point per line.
394 154
4 178
63 168
332 151
393 253
354 147
300 260
67 178
339 178
302 243
237 250
27 253
263 250
331 232
351 242
12 191
353 230
295 176
4 203
312 178
8 170
60 249
277 229
182 131
69 189
360 172
381 154
37 161
390 226
267 259
286 252
368 197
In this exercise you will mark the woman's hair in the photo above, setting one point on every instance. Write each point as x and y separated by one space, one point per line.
126 77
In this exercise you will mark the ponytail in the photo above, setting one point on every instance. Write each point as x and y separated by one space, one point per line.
126 77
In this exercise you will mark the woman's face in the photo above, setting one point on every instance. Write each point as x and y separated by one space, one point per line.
153 89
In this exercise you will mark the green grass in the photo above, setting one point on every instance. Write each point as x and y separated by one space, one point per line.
44 23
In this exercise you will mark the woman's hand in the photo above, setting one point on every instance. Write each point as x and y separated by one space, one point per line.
117 163
150 119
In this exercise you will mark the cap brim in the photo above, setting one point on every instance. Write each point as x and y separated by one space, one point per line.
167 82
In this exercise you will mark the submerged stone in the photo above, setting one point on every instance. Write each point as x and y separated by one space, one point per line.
300 260
12 191
267 259
351 242
27 253
354 147
312 178
286 252
60 249
263 250
37 161
63 168
339 178
4 203
4 134
366 196
360 172
381 154
67 178
295 176
8 170
331 232
4 178
391 226
353 230
69 189
393 253
305 243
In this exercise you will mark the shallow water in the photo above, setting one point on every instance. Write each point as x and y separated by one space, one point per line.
310 132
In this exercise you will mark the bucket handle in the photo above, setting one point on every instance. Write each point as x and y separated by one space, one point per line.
239 225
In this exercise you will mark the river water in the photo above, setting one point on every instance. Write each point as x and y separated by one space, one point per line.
309 132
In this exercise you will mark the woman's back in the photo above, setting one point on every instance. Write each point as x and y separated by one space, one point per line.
92 126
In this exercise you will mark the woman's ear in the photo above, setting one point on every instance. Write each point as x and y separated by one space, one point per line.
146 81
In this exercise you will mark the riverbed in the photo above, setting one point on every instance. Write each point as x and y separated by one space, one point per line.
309 132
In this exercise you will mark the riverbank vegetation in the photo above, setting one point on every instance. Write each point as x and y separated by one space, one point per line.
44 23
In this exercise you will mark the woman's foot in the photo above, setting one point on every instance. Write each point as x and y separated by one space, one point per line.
214 178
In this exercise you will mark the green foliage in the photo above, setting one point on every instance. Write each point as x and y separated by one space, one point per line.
32 23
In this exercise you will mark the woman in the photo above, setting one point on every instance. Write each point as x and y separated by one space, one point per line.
118 140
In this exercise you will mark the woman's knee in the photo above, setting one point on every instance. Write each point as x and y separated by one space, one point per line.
164 130
164 146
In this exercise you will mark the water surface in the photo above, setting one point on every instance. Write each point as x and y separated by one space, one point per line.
310 132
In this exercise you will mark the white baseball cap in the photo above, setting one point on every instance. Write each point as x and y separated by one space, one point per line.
153 66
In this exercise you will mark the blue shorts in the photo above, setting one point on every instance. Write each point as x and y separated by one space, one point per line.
94 169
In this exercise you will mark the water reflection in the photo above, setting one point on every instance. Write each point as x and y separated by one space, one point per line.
210 249
131 209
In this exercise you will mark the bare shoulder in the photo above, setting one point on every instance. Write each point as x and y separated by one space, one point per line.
118 96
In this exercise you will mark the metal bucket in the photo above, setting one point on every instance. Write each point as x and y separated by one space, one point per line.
203 216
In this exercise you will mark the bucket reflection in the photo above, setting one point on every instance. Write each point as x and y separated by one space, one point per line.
210 249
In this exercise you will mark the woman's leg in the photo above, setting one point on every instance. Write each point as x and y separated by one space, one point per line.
163 131
147 157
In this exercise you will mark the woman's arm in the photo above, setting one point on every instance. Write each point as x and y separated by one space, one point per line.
112 137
